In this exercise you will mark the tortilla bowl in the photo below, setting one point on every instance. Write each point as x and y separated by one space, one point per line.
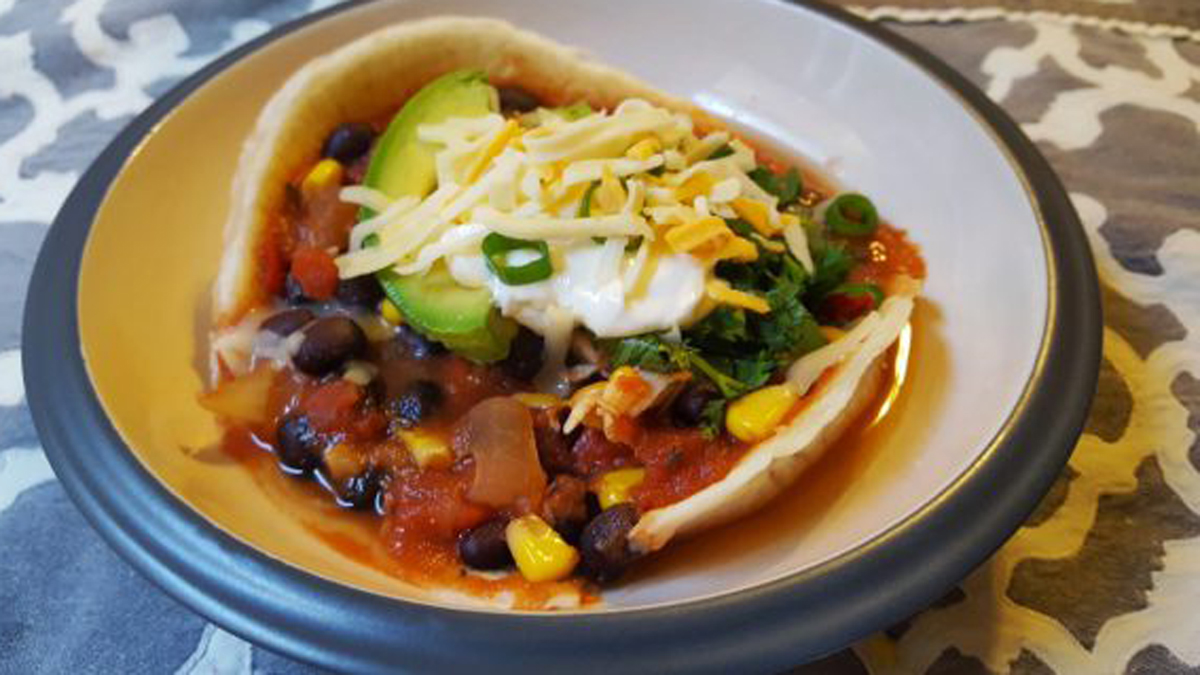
980 428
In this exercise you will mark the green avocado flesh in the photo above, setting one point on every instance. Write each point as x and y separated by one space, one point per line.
461 318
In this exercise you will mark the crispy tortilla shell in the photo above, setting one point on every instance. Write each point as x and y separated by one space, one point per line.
371 77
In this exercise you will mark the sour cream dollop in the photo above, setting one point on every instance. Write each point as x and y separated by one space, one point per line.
594 285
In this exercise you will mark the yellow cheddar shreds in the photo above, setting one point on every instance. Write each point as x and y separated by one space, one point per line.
644 149
739 249
610 196
720 291
511 129
689 237
698 184
757 213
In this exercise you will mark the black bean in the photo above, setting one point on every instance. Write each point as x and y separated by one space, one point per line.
328 344
553 446
604 544
416 403
688 408
293 292
297 444
418 346
363 291
525 355
485 547
348 142
359 492
565 506
288 321
517 100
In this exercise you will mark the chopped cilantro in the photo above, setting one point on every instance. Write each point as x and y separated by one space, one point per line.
712 420
786 187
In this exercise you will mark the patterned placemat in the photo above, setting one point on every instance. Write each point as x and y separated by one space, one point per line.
1104 578
1171 18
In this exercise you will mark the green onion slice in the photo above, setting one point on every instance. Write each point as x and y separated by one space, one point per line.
852 215
496 248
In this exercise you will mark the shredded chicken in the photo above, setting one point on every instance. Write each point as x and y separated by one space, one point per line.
626 394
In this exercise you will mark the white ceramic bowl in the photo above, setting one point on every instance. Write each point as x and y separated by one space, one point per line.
1005 347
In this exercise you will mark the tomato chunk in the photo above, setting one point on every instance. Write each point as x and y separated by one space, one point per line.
314 269
842 308
331 407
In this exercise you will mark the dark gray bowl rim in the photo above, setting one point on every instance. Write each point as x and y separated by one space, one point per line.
764 628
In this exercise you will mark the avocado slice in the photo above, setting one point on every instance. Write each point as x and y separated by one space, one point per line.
461 318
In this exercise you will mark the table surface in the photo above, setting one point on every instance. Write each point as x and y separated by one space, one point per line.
1105 577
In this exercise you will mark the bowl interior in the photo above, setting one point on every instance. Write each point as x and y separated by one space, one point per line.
871 119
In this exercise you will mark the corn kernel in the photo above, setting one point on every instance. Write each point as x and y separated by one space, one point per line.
719 290
536 400
698 184
615 487
644 149
324 174
540 553
755 416
427 450
390 312
757 214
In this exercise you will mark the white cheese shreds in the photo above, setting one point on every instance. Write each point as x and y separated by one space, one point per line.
589 170
398 236
706 146
725 191
674 160
390 212
599 136
671 215
460 130
547 227
503 170
552 378
797 243
361 195
460 239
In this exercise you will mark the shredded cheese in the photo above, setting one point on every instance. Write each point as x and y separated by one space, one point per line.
720 291
658 202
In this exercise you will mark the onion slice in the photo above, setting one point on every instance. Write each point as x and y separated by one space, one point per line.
498 433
